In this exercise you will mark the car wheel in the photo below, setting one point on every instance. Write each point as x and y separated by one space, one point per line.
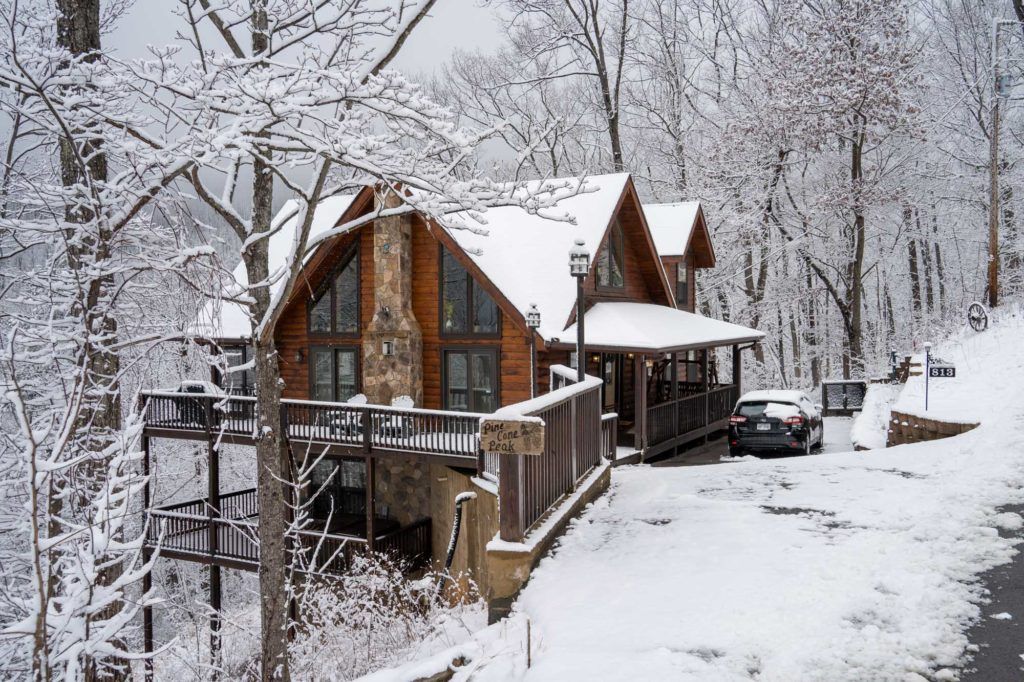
807 446
736 452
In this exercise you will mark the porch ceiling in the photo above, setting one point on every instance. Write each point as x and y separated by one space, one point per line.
649 328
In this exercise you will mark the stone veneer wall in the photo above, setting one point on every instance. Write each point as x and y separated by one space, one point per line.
404 486
388 376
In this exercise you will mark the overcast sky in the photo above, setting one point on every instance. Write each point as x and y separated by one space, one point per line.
452 23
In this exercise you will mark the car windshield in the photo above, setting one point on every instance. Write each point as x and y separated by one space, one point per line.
760 407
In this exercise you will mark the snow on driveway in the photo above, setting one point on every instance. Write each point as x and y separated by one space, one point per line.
842 567
848 566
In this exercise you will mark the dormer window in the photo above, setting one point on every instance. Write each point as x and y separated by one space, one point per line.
336 308
466 308
610 259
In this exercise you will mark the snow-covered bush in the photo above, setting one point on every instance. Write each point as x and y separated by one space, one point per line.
374 617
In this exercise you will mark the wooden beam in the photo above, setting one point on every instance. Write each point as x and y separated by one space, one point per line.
371 498
639 402
736 367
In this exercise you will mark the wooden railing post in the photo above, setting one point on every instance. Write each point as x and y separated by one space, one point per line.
675 394
510 498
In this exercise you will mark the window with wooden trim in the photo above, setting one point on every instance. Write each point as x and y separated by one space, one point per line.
466 307
682 286
336 309
471 379
237 381
333 373
611 260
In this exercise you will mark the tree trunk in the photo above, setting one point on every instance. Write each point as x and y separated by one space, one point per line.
271 440
856 355
915 280
84 165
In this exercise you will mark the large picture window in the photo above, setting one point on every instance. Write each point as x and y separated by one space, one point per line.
334 373
471 380
466 308
336 309
610 260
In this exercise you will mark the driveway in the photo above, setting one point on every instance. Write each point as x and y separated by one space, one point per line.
837 439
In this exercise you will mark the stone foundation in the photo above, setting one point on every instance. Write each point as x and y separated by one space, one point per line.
403 486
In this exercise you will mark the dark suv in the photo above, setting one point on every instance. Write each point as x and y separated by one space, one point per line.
775 421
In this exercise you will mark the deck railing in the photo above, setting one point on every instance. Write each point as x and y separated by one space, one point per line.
690 414
394 429
186 528
530 486
609 435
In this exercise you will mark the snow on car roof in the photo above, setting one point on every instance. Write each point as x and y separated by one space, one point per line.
773 396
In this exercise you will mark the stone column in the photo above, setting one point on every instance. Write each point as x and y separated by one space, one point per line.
393 323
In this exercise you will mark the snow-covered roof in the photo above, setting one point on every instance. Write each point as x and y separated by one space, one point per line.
648 327
672 225
526 256
773 396
229 320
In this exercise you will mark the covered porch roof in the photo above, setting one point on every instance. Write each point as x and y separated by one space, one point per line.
650 328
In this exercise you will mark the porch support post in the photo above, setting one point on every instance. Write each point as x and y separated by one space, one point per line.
371 500
736 367
674 374
213 513
640 402
147 579
707 388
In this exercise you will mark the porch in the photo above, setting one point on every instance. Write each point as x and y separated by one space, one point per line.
660 372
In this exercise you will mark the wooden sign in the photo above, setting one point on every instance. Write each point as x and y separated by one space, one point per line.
942 371
511 437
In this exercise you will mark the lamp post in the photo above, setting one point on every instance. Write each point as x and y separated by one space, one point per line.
533 322
1001 84
927 370
579 266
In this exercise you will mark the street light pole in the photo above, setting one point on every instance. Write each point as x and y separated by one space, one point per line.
579 266
927 370
1000 90
580 364
533 322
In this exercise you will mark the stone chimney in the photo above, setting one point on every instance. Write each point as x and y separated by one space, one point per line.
393 342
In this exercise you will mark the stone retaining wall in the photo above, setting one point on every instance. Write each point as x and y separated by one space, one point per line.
909 428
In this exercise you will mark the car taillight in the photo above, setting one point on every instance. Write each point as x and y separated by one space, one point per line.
737 419
793 421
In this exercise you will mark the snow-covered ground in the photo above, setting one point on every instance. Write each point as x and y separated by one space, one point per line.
837 435
846 566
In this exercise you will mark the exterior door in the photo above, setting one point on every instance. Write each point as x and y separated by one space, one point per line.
333 373
611 374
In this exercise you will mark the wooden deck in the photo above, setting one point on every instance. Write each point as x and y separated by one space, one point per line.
340 429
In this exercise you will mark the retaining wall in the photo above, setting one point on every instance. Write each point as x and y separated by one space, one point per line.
909 428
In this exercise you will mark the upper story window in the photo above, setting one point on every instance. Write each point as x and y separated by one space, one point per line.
466 308
682 286
336 311
610 260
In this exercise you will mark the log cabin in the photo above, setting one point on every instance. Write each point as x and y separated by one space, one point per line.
404 331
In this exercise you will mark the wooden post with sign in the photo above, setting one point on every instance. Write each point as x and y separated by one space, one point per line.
511 440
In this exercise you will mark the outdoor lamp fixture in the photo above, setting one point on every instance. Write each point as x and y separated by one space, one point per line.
533 322
579 266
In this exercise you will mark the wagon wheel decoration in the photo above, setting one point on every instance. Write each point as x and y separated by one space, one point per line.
977 317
